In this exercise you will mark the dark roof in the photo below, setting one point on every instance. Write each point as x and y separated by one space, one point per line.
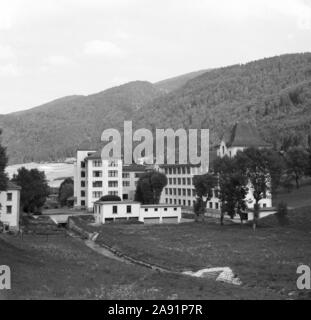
134 168
13 186
244 134
95 156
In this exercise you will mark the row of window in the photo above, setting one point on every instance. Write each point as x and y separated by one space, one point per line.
99 163
180 192
189 203
180 181
178 170
129 209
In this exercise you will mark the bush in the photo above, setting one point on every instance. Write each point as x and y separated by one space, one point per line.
282 214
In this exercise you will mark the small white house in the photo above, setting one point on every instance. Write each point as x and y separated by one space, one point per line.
10 207
106 211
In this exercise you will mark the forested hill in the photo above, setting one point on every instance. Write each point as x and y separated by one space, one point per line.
55 130
274 94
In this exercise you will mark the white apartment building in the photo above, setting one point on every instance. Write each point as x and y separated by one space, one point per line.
95 177
10 207
180 189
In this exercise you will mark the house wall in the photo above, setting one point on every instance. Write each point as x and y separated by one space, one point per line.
80 201
104 211
10 219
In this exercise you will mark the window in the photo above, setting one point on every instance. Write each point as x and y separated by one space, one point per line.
184 192
189 181
184 181
170 180
115 209
82 174
9 209
97 163
156 209
175 209
188 170
189 203
183 170
97 174
165 209
83 203
9 197
179 181
97 194
125 196
146 210
174 181
112 174
112 184
113 193
170 170
217 206
179 202
82 164
126 183
82 193
184 203
128 209
82 184
97 184
179 192
113 163
125 175
211 205
189 192
264 205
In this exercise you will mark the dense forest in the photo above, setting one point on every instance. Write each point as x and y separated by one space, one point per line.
273 93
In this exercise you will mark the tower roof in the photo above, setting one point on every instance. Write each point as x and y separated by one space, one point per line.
244 134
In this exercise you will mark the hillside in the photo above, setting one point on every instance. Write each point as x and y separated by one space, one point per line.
55 130
273 93
172 84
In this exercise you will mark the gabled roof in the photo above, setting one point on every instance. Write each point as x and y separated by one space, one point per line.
13 186
244 134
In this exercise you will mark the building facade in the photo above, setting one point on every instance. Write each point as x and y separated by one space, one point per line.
106 212
95 177
10 207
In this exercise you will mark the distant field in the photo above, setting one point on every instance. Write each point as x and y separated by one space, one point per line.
54 172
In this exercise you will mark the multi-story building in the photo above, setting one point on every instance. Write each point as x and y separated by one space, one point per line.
10 207
95 177
180 189
130 177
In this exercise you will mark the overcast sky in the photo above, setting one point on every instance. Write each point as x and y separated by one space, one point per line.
54 48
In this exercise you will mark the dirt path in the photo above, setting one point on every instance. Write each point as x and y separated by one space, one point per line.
105 252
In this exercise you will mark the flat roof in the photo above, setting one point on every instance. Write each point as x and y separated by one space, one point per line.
160 206
117 202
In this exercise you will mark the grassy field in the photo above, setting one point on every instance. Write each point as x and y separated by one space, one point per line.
297 197
64 268
265 261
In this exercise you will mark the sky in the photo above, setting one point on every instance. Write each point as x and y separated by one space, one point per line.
54 48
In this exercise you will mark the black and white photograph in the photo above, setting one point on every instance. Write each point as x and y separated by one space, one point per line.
155 155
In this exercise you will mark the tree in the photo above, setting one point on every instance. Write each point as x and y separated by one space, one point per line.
204 187
257 167
3 164
34 189
65 191
297 163
149 187
232 187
